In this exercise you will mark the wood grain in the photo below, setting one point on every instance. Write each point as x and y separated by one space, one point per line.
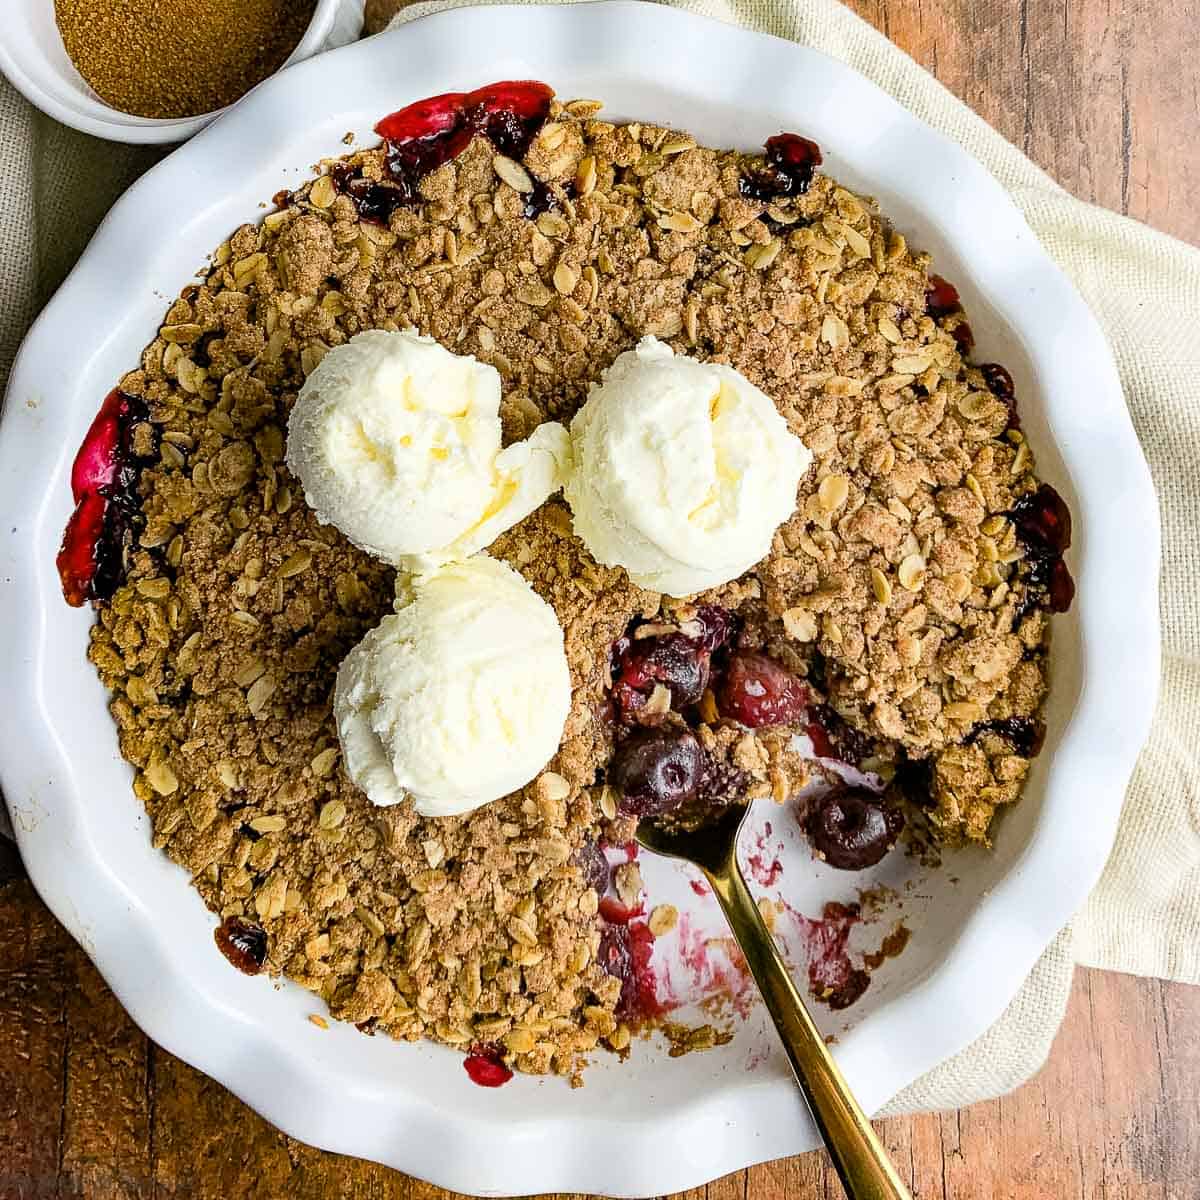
1103 95
89 1108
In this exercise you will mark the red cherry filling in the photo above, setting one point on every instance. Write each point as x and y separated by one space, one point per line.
509 115
1043 520
677 662
485 1065
424 120
422 136
832 737
1043 523
104 478
851 829
791 161
941 297
1000 384
243 943
625 952
680 661
757 691
589 858
1026 734
616 913
657 770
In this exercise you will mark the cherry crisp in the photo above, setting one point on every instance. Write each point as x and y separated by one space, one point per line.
899 621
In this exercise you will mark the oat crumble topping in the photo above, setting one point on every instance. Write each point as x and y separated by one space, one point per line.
896 589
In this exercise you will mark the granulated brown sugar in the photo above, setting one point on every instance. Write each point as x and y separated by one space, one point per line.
170 58
897 590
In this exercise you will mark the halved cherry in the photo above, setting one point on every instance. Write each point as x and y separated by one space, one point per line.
757 691
76 559
423 118
95 464
526 98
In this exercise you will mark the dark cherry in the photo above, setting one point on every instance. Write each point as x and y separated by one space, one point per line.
375 201
964 338
243 943
791 161
656 770
851 829
756 691
104 486
678 663
589 858
1043 520
1049 584
1026 734
615 956
1043 523
722 784
422 136
941 297
833 737
485 1065
1000 384
717 625
1060 588
542 198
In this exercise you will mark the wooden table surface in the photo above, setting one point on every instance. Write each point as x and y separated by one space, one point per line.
1103 94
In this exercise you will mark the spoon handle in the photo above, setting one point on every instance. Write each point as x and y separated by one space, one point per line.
862 1163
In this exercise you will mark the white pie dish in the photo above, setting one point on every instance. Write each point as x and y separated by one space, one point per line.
656 1124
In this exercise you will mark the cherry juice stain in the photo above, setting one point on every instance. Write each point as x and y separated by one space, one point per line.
104 486
423 136
715 967
485 1065
832 977
766 868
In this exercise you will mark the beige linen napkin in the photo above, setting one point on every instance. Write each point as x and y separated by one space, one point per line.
1144 916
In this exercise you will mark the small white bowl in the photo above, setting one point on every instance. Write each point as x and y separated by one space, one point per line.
36 63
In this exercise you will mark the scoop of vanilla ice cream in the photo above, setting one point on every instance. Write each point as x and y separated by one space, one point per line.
396 441
460 696
683 470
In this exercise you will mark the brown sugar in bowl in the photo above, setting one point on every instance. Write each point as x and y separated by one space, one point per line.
34 57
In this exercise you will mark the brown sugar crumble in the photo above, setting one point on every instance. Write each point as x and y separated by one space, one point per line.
897 590
168 58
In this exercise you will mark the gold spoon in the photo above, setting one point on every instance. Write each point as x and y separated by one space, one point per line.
862 1163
